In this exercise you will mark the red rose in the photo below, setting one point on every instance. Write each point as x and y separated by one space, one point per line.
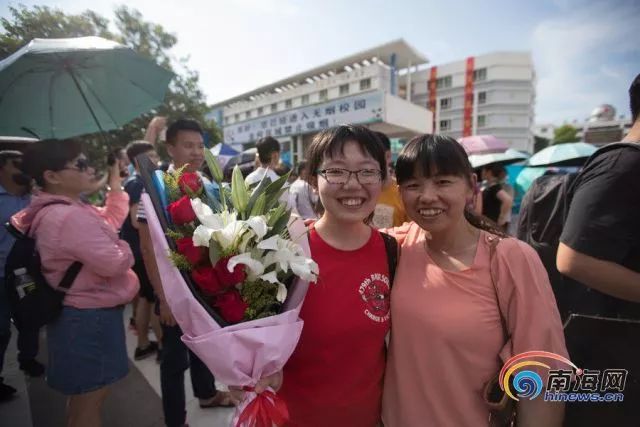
207 280
227 277
193 254
231 306
181 211
190 180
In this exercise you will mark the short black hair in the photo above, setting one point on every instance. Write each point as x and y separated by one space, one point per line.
384 139
49 155
136 148
6 155
267 146
634 97
331 141
181 124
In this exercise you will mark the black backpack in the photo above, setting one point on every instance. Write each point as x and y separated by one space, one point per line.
42 304
543 212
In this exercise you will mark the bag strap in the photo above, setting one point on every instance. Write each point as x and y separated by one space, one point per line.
392 248
493 242
70 275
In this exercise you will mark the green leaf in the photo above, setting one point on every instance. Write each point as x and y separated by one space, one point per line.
258 207
276 185
281 224
239 193
275 215
214 166
215 252
273 200
256 192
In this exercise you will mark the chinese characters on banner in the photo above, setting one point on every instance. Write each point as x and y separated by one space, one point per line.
433 75
363 108
467 127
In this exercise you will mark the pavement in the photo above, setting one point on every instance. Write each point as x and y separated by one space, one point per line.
133 401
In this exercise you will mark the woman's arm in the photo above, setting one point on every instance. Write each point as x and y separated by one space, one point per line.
537 412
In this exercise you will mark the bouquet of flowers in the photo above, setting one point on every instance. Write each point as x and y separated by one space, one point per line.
235 268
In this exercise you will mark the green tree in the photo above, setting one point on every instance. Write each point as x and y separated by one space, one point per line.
565 133
184 98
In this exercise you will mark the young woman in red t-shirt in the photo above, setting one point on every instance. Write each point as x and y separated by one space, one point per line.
334 377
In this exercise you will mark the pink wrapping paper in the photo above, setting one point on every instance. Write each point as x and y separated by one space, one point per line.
239 354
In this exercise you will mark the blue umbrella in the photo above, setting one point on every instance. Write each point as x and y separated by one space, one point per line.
59 88
575 153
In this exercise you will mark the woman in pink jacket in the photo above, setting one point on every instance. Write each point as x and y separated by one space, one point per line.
86 343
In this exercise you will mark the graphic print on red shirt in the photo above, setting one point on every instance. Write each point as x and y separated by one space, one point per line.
334 377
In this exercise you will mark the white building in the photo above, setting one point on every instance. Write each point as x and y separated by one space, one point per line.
601 128
361 88
487 94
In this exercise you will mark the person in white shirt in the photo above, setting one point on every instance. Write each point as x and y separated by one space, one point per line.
301 195
268 157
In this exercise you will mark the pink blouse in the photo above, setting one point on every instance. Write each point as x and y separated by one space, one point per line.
82 232
447 339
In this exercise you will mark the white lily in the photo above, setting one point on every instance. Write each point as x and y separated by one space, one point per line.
272 277
228 235
271 243
259 226
205 215
202 235
254 267
288 255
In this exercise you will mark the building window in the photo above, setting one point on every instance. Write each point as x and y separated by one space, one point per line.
260 111
305 99
480 75
226 120
443 82
344 89
445 103
288 103
365 84
274 107
445 124
236 117
482 121
324 95
248 114
482 97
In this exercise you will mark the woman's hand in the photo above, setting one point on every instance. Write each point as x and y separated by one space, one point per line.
115 180
272 381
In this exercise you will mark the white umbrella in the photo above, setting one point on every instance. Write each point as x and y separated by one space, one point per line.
508 157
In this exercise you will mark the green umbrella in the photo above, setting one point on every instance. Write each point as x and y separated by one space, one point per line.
59 88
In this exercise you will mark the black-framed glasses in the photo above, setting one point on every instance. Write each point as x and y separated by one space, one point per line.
342 176
81 165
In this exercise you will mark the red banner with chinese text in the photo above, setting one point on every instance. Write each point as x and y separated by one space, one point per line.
432 94
467 126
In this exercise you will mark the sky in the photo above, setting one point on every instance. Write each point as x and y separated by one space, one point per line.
585 53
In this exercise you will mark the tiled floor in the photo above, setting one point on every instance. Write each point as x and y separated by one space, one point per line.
196 417
37 405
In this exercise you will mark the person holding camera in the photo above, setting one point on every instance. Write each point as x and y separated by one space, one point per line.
86 343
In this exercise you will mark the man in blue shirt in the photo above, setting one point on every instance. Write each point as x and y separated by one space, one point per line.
14 196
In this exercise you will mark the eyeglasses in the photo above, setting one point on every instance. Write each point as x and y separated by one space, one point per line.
342 176
82 164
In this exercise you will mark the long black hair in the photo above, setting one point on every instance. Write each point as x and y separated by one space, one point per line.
428 155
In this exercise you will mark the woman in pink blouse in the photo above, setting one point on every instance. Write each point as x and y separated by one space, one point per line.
86 342
447 338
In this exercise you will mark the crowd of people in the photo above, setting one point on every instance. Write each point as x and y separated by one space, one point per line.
464 295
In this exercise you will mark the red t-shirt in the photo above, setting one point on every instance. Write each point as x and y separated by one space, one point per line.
334 377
